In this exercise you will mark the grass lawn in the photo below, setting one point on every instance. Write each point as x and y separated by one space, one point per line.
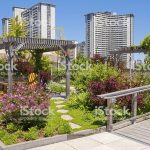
86 119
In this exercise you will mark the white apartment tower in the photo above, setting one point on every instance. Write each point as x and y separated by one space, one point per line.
107 32
6 23
81 48
39 20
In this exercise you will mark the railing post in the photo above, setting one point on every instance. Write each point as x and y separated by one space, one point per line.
109 115
134 108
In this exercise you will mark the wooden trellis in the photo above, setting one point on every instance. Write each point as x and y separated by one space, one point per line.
127 50
12 44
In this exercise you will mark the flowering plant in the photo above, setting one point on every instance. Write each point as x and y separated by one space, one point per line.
23 97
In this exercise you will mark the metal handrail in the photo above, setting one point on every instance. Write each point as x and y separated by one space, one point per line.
111 98
124 91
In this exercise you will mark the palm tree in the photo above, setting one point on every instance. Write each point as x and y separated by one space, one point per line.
17 28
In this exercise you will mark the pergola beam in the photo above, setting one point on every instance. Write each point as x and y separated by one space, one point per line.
136 49
127 50
33 43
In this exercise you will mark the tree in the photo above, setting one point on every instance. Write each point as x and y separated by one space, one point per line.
146 43
17 28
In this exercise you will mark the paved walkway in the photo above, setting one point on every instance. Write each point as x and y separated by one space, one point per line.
102 141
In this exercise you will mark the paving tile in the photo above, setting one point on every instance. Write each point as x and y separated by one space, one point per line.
148 148
59 102
102 147
56 146
60 106
58 98
95 142
74 126
105 137
63 111
126 144
83 143
66 117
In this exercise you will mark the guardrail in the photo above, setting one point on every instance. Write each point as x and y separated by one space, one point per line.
111 99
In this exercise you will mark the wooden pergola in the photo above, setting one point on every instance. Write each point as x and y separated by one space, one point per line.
12 44
127 50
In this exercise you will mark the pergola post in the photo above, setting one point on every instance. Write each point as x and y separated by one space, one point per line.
67 74
10 69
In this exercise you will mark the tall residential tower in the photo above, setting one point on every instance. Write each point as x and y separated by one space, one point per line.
39 19
107 32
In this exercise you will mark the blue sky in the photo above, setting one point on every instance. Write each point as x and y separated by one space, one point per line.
70 14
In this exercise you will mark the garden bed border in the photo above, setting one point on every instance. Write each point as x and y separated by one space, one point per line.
65 137
50 140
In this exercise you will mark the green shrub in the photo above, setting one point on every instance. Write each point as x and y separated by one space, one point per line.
3 72
120 114
11 128
64 128
19 134
2 133
46 63
59 74
55 87
80 100
56 125
99 72
32 134
9 139
48 131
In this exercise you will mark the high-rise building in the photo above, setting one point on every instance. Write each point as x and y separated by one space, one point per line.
81 48
107 32
39 20
17 12
6 23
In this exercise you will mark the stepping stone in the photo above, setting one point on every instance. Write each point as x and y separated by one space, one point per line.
74 126
63 111
60 106
66 117
59 102
58 98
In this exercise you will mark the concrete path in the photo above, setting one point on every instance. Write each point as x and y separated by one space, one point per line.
102 141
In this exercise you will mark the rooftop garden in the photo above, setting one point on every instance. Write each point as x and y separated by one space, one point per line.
31 111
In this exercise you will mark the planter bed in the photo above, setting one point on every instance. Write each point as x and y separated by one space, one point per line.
50 140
